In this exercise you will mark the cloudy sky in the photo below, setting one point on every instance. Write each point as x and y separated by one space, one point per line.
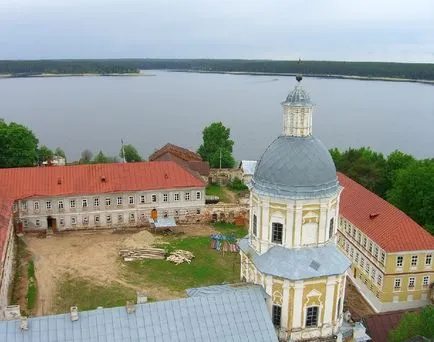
374 30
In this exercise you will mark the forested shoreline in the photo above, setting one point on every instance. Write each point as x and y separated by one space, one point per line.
403 71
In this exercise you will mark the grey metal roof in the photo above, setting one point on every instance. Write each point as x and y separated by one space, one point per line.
297 263
218 289
232 316
298 98
297 167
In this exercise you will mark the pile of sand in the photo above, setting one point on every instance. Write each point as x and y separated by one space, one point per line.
138 240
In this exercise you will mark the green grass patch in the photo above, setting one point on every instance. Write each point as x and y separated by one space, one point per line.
88 295
32 291
228 228
207 268
217 190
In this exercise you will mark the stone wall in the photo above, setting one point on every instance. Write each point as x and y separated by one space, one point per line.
223 176
6 268
227 213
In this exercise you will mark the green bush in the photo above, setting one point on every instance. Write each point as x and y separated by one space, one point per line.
237 185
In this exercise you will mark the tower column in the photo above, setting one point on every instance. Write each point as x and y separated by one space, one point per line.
329 300
298 305
285 304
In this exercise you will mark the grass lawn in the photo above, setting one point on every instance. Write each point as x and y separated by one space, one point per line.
207 268
227 228
217 190
88 296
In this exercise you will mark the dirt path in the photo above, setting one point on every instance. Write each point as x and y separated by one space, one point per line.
231 196
91 255
356 303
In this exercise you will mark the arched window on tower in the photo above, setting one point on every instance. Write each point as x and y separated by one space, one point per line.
331 227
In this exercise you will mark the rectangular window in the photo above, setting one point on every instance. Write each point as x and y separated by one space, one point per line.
370 247
72 204
312 316
379 279
383 257
198 211
119 200
362 262
132 217
96 202
187 196
36 205
198 195
254 225
84 203
331 228
414 260
428 259
85 220
364 242
48 204
24 205
108 219
96 218
277 315
425 281
131 199
277 232
354 232
367 267
62 221
399 261
351 252
60 204
73 220
108 202
165 197
373 273
142 199
357 257
176 197
411 282
376 252
176 213
25 223
38 223
154 198
397 283
120 218
359 237
166 214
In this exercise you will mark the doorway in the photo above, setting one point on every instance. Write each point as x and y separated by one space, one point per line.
51 223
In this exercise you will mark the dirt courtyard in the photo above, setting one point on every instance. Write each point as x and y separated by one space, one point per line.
91 255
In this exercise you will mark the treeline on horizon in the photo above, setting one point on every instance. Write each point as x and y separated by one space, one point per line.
413 71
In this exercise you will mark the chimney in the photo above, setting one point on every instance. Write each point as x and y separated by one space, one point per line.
166 176
103 179
373 215
24 323
131 308
142 297
59 180
74 313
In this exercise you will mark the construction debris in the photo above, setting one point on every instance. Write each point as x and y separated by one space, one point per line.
131 254
179 256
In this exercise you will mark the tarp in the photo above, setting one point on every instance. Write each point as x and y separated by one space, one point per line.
163 222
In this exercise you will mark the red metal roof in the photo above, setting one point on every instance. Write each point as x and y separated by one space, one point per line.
385 224
178 151
16 183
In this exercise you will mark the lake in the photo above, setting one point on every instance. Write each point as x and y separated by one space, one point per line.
78 113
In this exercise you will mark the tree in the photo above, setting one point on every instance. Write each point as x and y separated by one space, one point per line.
44 154
131 154
414 324
396 161
216 141
59 152
413 191
100 158
86 157
18 145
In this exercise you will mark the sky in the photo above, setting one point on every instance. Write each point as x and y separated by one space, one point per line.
368 30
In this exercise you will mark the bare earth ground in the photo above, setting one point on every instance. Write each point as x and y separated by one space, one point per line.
91 255
355 302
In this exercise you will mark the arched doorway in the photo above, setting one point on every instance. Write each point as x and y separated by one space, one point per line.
154 214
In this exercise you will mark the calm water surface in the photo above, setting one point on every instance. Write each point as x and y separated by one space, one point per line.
76 113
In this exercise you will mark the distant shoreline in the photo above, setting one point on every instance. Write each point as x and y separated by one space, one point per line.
47 75
349 77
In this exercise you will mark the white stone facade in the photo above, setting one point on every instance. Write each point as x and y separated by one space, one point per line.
107 210
6 268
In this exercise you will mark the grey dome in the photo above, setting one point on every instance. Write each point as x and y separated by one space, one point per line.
296 167
298 97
